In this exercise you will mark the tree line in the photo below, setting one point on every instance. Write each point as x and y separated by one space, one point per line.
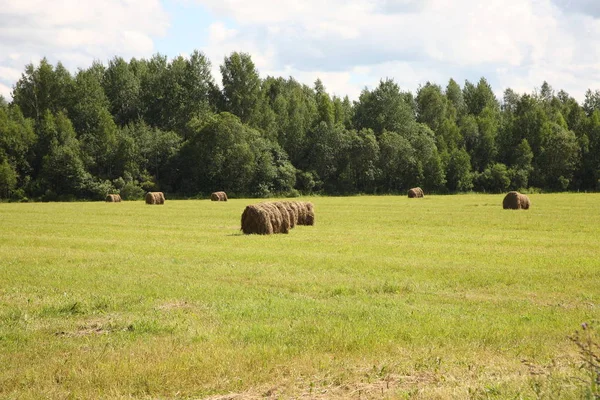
155 124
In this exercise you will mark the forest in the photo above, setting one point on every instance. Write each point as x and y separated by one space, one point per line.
160 124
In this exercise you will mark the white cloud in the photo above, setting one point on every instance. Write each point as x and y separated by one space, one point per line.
528 40
76 32
5 91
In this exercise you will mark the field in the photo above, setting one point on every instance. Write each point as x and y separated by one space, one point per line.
385 297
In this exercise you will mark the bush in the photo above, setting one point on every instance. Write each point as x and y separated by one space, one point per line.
131 191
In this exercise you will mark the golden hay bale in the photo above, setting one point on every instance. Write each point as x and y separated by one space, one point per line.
305 212
266 218
155 198
515 201
113 198
218 196
256 220
286 217
292 211
150 199
278 221
310 214
524 200
415 193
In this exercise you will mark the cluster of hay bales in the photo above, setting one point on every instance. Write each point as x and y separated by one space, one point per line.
276 217
155 198
515 201
218 196
415 193
113 198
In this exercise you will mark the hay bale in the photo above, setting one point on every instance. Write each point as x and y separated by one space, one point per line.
113 198
310 214
305 212
278 221
292 211
524 200
256 220
415 193
155 198
218 196
285 215
266 218
515 201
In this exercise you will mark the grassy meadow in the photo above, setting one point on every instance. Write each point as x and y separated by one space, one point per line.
385 297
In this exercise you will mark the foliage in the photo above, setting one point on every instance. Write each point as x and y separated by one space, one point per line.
165 124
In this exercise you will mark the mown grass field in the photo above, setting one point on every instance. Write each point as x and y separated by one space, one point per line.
385 297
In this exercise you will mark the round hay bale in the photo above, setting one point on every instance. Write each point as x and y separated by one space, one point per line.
299 211
310 214
113 198
292 211
515 201
286 217
524 200
415 193
155 198
218 196
280 225
256 220
150 198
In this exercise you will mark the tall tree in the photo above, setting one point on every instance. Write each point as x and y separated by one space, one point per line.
384 108
241 85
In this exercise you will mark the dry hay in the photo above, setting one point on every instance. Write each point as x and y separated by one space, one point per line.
292 210
276 217
525 203
309 219
155 198
113 198
218 196
263 219
515 201
415 193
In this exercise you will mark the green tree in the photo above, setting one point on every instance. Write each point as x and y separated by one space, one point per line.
43 88
397 162
241 85
458 174
8 179
522 166
123 89
558 158
431 106
384 108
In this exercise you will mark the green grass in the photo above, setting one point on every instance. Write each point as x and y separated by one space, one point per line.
441 297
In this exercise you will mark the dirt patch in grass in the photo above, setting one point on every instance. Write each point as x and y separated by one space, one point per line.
89 329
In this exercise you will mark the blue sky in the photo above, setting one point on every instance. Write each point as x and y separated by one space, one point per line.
348 44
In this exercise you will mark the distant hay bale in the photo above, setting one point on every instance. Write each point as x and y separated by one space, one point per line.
515 201
155 198
415 193
525 203
309 219
113 198
218 196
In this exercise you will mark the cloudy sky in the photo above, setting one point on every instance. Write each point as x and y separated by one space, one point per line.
349 44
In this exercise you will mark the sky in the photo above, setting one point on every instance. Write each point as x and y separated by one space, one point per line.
348 44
